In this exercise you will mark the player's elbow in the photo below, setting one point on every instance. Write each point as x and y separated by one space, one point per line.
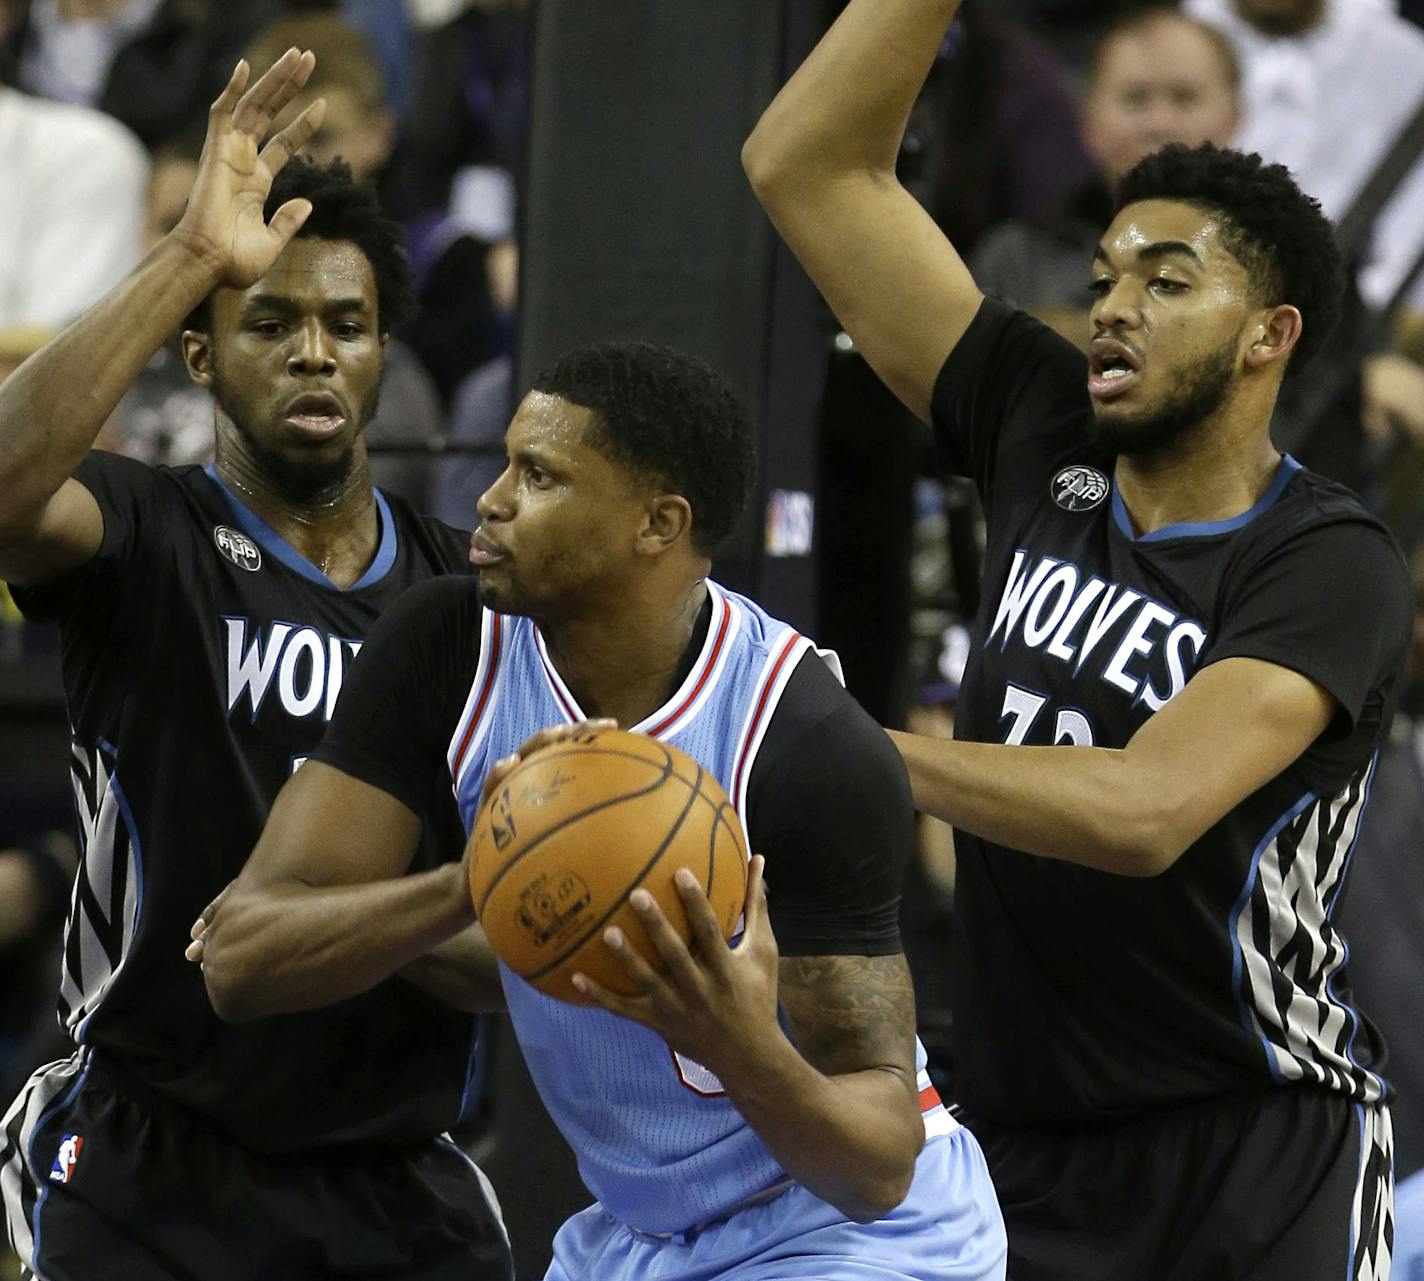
1150 837
233 987
782 162
875 1199
764 163
883 1176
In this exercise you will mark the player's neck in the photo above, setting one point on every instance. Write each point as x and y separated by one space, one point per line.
623 659
1198 481
337 529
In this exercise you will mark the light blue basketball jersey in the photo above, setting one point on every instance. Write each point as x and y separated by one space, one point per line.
657 1141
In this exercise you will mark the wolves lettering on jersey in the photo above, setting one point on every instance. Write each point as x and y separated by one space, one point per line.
307 666
1132 642
658 1142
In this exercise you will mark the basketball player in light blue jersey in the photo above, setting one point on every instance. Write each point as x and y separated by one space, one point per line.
759 1110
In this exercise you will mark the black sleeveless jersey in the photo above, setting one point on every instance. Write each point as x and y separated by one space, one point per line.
1080 995
202 660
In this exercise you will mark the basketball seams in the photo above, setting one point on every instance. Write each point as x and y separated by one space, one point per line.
696 789
547 902
666 771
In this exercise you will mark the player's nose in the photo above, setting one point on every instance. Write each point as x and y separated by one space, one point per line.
312 351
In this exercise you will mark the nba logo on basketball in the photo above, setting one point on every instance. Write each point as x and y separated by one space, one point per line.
67 1158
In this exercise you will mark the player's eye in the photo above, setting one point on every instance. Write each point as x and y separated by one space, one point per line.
268 328
348 330
1164 285
1101 287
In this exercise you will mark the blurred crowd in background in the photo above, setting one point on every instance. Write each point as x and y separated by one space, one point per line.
1035 110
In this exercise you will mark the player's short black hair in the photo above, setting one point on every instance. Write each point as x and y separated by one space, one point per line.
343 209
669 417
1271 227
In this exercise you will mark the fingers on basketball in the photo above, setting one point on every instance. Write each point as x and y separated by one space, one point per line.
573 829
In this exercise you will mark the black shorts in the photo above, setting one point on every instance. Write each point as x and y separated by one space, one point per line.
1288 1184
101 1179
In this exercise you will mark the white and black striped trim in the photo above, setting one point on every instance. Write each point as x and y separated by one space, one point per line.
23 1184
1288 953
480 703
781 661
1372 1211
107 901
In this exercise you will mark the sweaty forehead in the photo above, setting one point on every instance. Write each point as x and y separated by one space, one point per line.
1158 222
313 269
550 424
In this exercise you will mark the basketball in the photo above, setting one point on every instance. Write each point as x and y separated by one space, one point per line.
574 830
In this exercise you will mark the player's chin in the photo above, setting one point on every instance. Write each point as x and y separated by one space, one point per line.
497 590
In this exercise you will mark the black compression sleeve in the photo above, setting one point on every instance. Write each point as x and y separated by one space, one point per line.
404 693
829 807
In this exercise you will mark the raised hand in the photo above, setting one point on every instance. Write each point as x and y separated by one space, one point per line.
224 222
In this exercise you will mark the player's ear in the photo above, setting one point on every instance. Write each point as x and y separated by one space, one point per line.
668 519
1273 335
198 356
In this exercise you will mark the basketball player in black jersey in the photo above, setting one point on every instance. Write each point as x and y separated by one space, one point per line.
208 618
1187 650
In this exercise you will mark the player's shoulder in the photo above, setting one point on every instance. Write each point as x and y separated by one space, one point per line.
818 723
445 600
1320 532
443 547
1312 506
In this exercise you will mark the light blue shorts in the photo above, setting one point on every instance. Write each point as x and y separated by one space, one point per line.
947 1229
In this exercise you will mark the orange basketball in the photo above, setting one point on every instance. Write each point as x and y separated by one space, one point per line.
574 830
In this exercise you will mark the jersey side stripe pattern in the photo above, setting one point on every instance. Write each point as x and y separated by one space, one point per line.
1372 1210
108 889
50 1085
1288 952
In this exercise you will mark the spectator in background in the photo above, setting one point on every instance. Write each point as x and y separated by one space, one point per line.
1327 86
1156 77
468 133
152 64
71 213
165 417
1007 141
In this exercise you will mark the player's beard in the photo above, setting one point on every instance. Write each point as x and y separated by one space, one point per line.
306 482
1189 405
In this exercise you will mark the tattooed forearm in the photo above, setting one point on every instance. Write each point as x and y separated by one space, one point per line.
849 1013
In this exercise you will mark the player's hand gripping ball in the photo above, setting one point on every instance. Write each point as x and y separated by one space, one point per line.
573 830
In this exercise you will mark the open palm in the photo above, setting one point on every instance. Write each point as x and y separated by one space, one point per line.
224 219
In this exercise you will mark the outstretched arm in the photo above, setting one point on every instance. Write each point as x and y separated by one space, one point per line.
323 909
1135 810
52 407
822 161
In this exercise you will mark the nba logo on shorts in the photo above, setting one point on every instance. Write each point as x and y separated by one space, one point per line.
67 1158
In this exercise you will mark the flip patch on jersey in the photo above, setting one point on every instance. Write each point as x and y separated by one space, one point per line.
1079 489
238 548
66 1158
